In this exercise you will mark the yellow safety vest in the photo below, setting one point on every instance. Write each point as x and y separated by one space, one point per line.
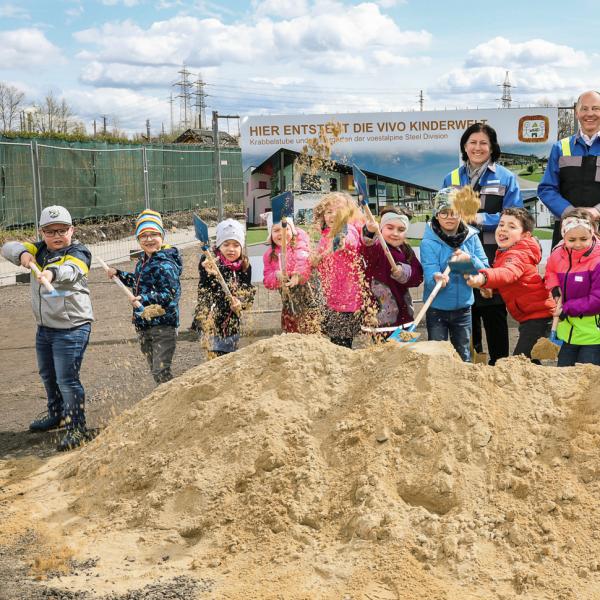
455 178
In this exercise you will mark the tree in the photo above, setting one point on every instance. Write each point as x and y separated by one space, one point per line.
11 100
52 116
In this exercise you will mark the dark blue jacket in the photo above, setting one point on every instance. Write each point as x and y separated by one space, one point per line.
156 281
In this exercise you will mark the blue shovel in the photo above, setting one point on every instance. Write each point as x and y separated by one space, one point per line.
50 289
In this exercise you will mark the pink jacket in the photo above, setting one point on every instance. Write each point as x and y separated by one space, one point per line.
342 272
297 261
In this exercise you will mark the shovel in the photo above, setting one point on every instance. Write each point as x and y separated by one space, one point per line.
201 230
137 304
282 207
360 183
50 289
405 333
548 348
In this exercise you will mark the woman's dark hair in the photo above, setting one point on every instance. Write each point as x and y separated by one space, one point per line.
481 128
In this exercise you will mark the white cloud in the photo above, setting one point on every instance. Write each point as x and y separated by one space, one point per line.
27 48
12 11
127 76
287 9
124 2
315 42
389 3
503 53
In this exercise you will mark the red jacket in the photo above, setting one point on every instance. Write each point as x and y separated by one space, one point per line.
516 277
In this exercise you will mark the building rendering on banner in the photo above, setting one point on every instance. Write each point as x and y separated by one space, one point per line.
281 171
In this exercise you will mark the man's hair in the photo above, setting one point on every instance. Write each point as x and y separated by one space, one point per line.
578 103
523 216
481 128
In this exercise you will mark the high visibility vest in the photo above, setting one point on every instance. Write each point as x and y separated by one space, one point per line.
455 178
579 176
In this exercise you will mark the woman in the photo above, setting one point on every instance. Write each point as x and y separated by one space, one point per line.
498 189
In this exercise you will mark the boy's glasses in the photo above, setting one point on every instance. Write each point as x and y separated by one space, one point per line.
146 237
444 214
55 232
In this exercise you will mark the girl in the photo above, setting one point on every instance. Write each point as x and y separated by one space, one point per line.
448 237
388 286
217 316
340 266
300 312
573 275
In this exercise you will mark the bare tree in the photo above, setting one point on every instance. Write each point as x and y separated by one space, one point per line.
11 100
52 116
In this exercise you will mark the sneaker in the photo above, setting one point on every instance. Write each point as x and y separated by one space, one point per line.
46 423
72 439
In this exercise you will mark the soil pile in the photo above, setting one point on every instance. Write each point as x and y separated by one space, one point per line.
299 469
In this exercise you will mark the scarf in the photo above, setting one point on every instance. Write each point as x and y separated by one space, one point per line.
454 240
476 173
235 265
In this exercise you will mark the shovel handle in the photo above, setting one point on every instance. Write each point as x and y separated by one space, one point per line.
219 275
434 293
557 318
49 287
124 288
379 235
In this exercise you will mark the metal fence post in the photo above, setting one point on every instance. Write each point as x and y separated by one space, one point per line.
146 184
36 185
219 180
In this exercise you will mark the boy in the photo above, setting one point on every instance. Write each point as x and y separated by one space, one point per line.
64 321
516 277
446 238
155 281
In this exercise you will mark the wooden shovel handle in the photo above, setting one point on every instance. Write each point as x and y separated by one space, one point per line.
434 293
49 287
380 237
124 288
556 319
219 275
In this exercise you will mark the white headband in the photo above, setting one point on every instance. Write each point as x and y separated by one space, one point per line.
573 222
392 216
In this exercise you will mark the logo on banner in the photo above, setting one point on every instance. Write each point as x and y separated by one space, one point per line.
534 128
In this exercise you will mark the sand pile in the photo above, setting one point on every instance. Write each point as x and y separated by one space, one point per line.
298 468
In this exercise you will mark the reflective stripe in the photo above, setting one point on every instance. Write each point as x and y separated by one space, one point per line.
31 248
455 177
570 161
565 146
68 258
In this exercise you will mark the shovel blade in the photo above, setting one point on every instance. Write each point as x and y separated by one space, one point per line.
407 328
554 339
201 230
360 184
282 205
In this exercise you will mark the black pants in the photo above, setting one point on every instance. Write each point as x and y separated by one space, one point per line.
529 333
496 330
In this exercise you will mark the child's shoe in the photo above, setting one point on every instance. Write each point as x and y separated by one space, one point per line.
72 439
46 423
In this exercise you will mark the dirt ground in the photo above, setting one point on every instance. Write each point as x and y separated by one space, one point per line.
115 377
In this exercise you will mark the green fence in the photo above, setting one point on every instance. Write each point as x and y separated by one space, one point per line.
95 180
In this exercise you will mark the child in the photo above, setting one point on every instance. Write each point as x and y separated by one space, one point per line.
216 316
63 322
448 237
573 275
516 277
300 312
388 286
155 281
340 265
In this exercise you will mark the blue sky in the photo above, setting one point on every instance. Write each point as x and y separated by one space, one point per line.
120 57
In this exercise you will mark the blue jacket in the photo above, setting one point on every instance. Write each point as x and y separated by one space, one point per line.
549 187
156 280
435 255
496 177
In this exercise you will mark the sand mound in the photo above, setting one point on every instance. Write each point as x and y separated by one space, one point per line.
307 470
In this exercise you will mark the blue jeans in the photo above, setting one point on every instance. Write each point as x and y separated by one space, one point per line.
59 356
456 323
570 354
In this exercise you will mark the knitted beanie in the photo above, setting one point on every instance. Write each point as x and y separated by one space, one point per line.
149 220
230 229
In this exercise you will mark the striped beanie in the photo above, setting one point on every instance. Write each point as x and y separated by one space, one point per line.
149 220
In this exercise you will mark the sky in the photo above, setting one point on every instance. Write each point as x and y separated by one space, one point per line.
121 58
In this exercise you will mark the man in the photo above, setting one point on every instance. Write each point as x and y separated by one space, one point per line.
63 319
572 177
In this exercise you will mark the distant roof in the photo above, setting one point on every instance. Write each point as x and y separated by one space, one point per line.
205 137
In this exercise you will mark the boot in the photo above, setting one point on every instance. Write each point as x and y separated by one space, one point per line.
46 423
72 439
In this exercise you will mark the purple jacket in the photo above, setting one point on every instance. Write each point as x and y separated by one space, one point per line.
391 295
